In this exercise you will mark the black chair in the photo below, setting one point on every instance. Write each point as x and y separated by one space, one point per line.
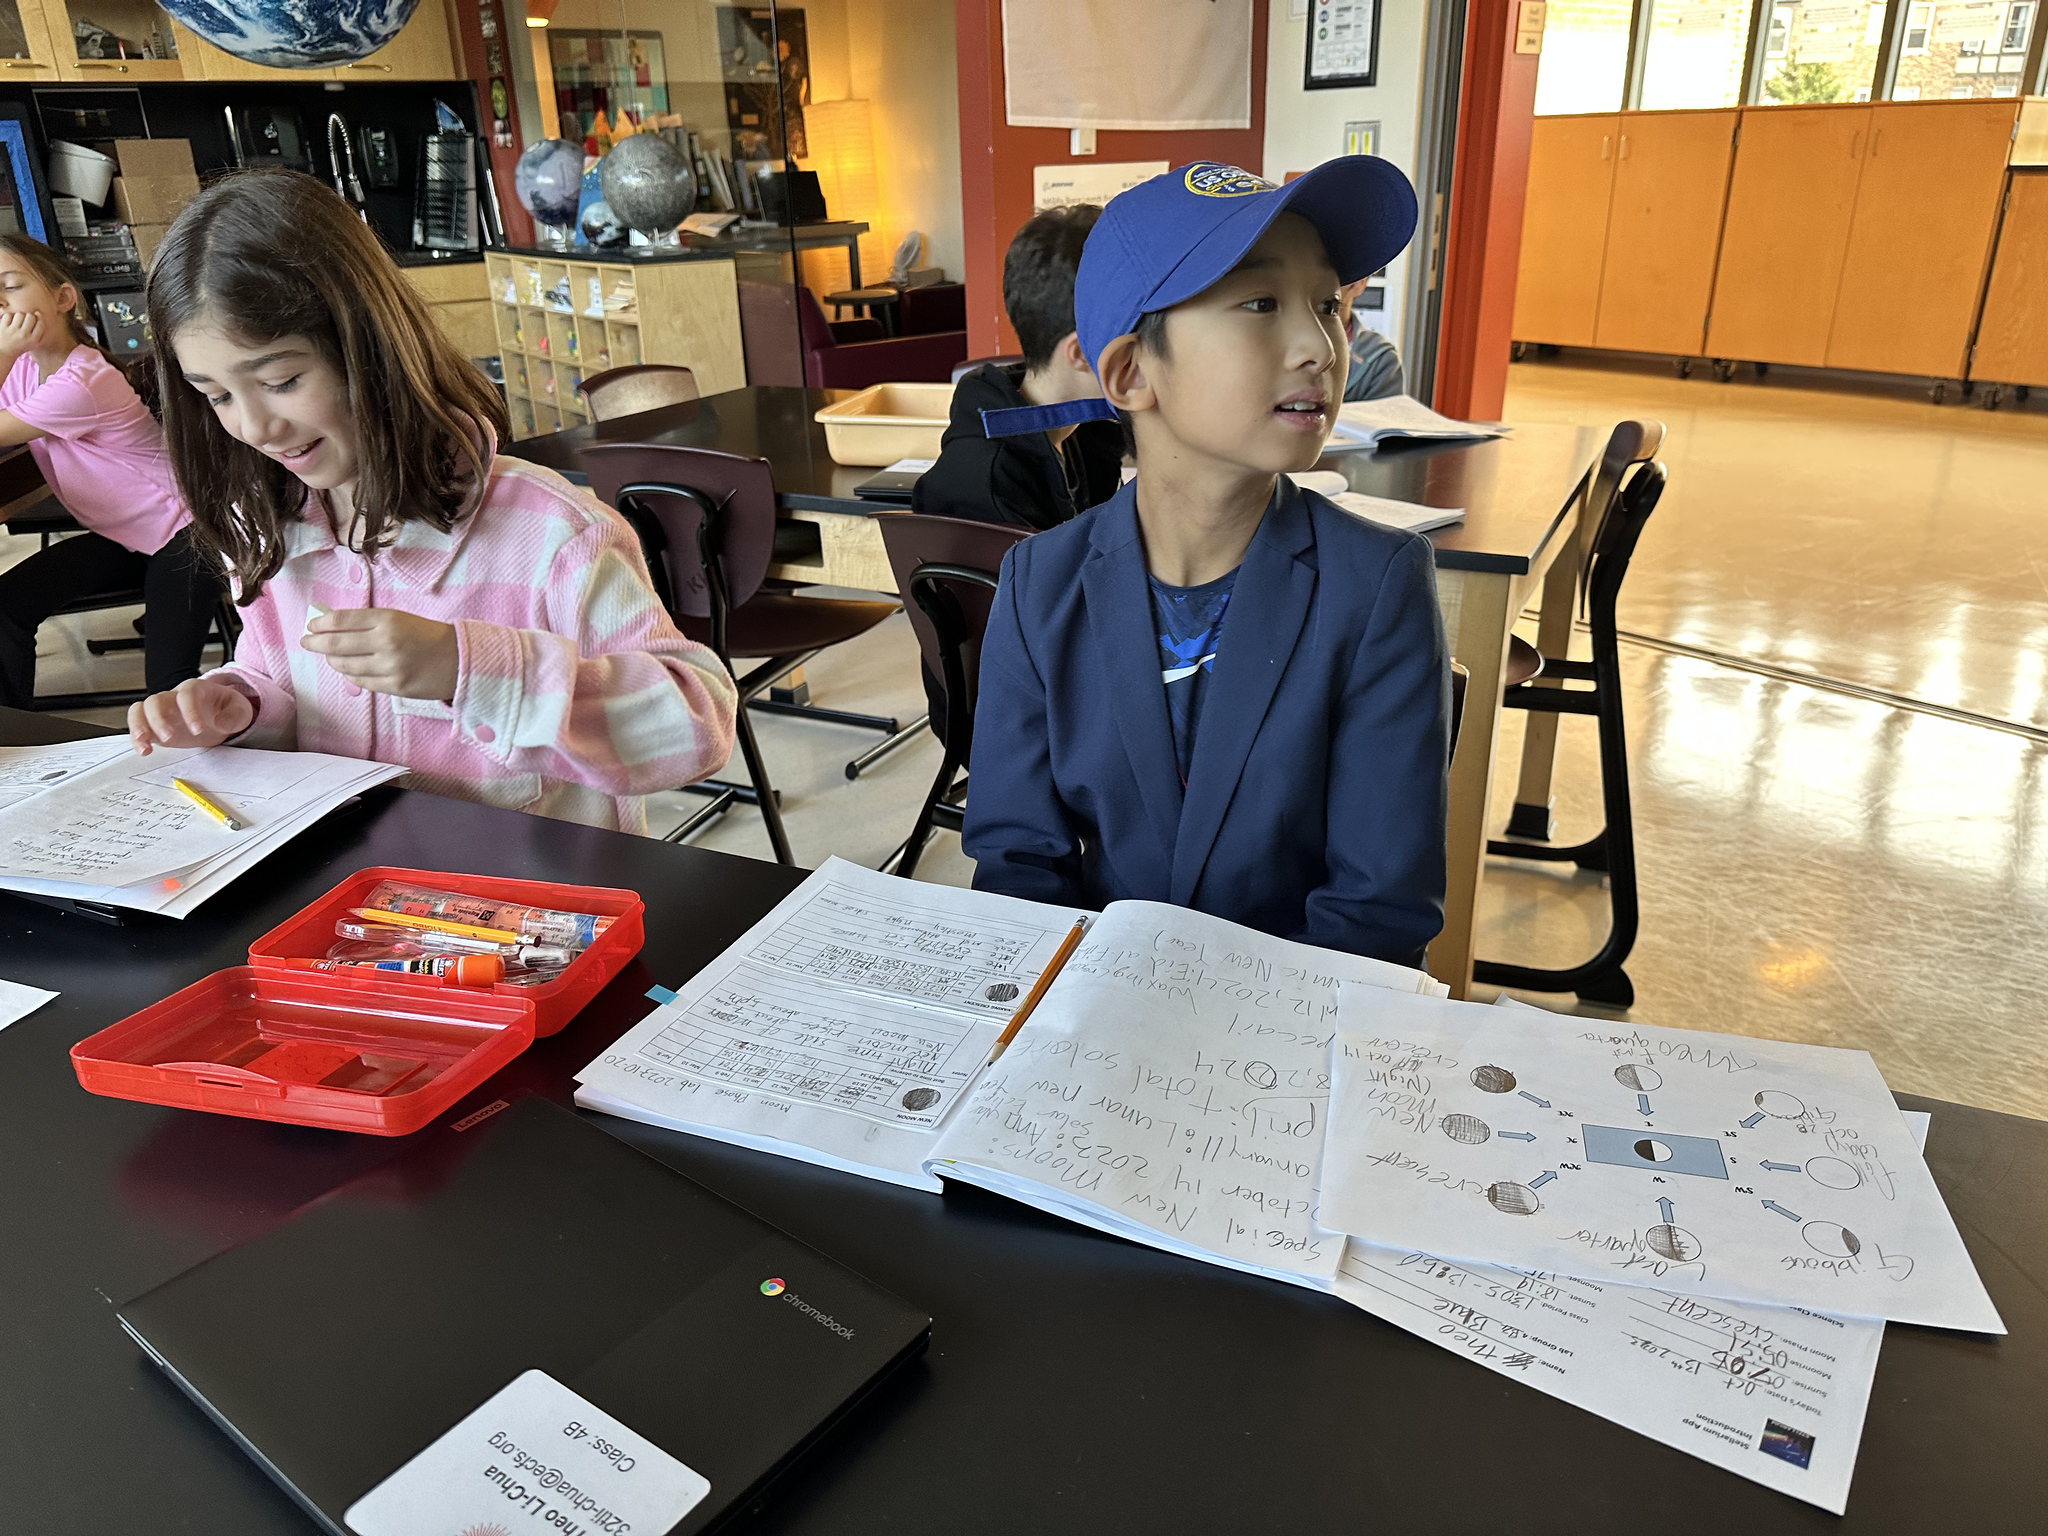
946 570
707 523
1600 979
48 519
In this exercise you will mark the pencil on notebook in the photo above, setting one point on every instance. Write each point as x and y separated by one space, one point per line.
1045 979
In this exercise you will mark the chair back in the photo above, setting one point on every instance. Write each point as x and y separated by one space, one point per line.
946 570
771 335
1629 444
706 520
961 370
1461 680
1615 545
636 387
933 308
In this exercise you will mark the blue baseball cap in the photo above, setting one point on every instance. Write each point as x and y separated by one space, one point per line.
1167 239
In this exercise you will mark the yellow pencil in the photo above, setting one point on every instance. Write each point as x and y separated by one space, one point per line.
198 797
435 924
1045 979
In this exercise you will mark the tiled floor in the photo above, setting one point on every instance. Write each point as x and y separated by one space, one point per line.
1815 866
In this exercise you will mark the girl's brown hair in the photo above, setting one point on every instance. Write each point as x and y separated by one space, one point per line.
53 272
268 254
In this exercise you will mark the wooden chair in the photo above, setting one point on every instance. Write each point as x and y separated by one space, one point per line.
707 523
946 570
636 387
1600 979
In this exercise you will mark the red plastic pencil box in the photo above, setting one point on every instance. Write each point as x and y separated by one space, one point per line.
365 1050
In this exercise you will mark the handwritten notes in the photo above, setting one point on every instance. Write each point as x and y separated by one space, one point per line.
26 771
1172 1088
842 1028
1710 1165
1775 1394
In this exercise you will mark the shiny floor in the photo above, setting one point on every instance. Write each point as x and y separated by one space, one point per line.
1815 866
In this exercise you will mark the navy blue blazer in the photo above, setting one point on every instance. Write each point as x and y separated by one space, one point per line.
1315 802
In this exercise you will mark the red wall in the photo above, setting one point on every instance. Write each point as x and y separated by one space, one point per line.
1496 118
996 160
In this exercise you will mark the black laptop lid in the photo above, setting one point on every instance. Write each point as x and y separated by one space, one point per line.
340 1344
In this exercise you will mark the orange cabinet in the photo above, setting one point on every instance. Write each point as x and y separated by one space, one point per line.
1564 228
1789 208
1926 207
2012 338
1663 223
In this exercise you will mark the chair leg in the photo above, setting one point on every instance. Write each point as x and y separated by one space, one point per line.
723 799
920 833
757 770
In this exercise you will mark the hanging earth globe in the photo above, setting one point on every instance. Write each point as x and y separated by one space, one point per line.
549 180
295 34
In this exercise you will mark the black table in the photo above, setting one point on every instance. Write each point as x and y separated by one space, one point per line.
1074 1383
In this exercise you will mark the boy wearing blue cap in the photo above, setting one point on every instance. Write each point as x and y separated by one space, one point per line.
1287 768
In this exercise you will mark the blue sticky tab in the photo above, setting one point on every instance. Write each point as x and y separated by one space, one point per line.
661 994
1018 420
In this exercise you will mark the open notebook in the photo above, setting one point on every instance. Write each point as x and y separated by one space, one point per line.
1362 423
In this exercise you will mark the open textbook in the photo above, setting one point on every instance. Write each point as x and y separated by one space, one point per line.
1363 423
1708 1165
92 821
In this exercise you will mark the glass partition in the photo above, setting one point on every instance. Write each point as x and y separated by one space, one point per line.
1584 65
1977 48
1693 53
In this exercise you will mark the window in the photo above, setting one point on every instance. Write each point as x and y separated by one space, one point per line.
1828 53
1585 56
1963 49
1917 21
1694 53
2017 20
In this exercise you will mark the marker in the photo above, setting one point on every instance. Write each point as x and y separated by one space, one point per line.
434 925
198 798
1045 979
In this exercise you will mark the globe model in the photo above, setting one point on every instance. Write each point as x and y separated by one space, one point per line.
648 183
548 181
600 226
295 34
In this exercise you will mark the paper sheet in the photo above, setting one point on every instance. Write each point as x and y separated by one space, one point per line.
1409 516
26 771
18 1001
841 1028
1774 1394
1361 423
1172 1088
1710 1165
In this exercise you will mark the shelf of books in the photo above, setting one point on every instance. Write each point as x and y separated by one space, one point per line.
560 319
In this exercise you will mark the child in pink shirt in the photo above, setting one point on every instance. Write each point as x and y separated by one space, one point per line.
410 597
103 455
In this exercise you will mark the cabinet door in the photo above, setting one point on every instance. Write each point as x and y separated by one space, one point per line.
1670 185
26 52
203 61
1564 228
2012 339
421 51
1790 203
1925 210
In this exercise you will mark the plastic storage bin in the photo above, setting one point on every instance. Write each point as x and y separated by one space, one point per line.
887 422
369 1051
76 171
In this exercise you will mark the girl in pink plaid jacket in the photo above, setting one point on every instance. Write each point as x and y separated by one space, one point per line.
409 596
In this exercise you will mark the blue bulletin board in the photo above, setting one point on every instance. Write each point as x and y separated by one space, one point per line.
25 186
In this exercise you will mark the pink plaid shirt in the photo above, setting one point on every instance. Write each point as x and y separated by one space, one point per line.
575 694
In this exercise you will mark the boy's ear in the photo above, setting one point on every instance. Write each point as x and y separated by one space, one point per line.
1069 353
1122 373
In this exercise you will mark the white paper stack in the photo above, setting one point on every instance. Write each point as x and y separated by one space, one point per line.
1409 516
1363 423
92 821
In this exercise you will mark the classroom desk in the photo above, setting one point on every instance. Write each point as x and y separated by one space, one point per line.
1075 1383
1521 495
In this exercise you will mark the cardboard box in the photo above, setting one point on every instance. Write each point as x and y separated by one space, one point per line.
147 238
143 158
152 199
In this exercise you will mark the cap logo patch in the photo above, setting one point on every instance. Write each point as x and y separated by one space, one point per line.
1207 179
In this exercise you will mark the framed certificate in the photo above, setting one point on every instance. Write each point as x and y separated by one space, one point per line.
1343 44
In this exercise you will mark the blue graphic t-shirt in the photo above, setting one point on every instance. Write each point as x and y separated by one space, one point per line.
1190 625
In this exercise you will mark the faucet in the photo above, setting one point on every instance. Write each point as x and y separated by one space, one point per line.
341 158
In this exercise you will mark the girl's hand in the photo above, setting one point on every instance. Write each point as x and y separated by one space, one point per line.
387 650
21 330
197 713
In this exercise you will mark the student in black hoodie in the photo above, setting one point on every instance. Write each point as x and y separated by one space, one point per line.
1034 478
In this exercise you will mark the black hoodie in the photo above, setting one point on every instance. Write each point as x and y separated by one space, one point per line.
1022 480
